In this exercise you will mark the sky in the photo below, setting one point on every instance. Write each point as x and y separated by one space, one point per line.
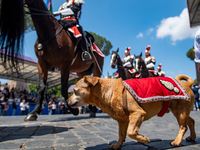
163 24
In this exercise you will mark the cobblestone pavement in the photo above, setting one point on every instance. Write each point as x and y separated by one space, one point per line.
68 132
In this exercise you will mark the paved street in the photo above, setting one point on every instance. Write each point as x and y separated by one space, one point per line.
68 132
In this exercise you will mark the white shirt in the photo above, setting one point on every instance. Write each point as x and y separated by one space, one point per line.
22 106
66 5
126 61
197 46
149 61
53 106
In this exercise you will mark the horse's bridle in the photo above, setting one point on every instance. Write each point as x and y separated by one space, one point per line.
115 62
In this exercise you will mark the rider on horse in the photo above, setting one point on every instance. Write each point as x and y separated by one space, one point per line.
70 11
149 60
128 59
160 72
128 62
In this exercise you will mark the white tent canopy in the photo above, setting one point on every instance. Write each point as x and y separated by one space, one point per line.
194 12
29 73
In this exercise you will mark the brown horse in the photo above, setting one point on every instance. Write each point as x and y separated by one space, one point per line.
57 49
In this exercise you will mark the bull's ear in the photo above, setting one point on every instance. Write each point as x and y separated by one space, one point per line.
91 80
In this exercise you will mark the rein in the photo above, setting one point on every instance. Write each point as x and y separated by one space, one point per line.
42 13
40 46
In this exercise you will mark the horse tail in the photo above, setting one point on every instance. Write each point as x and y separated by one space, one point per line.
12 32
189 80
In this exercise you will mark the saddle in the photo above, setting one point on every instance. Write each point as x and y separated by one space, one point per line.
131 70
71 27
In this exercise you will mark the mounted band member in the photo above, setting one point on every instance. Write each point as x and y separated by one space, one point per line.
128 59
160 72
70 14
128 62
149 60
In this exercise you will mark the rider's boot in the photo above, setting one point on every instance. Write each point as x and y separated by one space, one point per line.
85 54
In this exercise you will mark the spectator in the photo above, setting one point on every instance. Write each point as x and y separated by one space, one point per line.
65 108
34 99
7 94
50 107
60 107
44 103
27 108
14 104
23 107
47 98
29 98
6 106
85 109
12 94
2 100
195 89
53 108
15 92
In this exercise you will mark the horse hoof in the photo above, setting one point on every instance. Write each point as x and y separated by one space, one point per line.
31 117
75 111
92 114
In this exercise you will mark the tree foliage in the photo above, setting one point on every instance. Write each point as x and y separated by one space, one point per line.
190 54
28 22
56 91
104 44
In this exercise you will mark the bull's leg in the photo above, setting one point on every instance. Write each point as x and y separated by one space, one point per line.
64 89
122 134
32 116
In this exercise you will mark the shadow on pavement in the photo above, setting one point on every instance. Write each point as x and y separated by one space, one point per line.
155 144
30 132
67 118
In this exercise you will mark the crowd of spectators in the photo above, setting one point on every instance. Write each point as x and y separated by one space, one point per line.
15 97
23 99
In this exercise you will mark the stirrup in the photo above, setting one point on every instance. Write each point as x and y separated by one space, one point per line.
87 54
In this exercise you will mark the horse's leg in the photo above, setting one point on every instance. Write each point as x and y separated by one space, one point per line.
64 88
43 72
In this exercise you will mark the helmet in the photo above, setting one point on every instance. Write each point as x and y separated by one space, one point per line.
127 49
148 49
159 66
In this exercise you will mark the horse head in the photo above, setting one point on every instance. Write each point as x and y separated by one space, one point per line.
139 63
114 57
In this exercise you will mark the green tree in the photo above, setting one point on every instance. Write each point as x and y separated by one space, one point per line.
56 91
28 22
190 54
102 43
33 87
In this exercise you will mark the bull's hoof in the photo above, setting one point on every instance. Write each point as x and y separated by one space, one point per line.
31 117
75 111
